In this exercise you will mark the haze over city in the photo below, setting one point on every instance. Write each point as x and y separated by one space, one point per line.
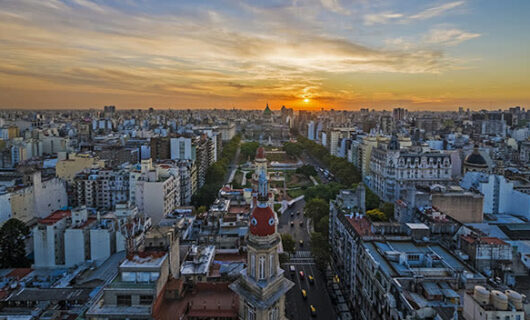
343 54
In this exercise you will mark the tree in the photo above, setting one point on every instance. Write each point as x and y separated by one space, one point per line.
316 209
307 170
322 226
292 149
288 243
372 200
283 257
200 210
324 191
388 209
215 176
248 150
12 246
376 215
320 249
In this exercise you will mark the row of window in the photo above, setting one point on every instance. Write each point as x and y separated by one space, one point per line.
261 266
126 300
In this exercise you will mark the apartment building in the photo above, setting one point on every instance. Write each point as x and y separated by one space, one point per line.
38 198
390 272
101 188
157 189
392 169
135 291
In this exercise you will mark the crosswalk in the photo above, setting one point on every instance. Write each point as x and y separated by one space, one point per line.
302 254
302 258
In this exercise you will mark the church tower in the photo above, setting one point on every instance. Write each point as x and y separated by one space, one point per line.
262 286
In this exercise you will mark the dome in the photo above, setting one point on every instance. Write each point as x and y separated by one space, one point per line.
260 153
475 159
262 221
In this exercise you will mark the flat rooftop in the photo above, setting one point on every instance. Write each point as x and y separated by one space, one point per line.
147 259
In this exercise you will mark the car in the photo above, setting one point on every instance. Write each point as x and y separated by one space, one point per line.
302 223
313 310
304 294
301 273
292 223
292 213
301 243
297 213
292 269
311 279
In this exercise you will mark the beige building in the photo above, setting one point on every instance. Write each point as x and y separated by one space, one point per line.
368 144
38 199
466 207
66 169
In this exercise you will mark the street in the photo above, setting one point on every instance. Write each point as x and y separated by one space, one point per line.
317 295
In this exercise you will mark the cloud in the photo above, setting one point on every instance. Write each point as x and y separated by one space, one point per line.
436 11
389 17
448 37
335 6
194 53
381 18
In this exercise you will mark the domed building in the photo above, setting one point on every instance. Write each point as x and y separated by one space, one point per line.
262 286
475 162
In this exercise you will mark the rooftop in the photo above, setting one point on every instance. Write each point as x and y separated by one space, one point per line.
208 300
361 225
198 260
146 259
484 240
407 258
55 217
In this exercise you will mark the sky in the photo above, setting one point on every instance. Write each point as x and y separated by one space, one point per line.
306 54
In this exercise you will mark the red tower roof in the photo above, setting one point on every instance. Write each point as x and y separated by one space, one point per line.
260 153
262 222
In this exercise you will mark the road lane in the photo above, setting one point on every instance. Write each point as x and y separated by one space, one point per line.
317 295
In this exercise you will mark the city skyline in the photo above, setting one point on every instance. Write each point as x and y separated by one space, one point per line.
340 54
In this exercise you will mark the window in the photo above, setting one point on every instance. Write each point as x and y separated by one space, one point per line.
253 265
414 257
123 300
146 300
272 270
128 276
250 313
142 276
261 268
273 314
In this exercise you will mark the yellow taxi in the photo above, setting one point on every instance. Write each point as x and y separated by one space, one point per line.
313 310
304 294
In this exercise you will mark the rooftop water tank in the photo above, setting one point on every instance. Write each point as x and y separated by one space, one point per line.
499 300
515 299
482 295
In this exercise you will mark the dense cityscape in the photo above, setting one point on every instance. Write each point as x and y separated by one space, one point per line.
264 214
264 160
